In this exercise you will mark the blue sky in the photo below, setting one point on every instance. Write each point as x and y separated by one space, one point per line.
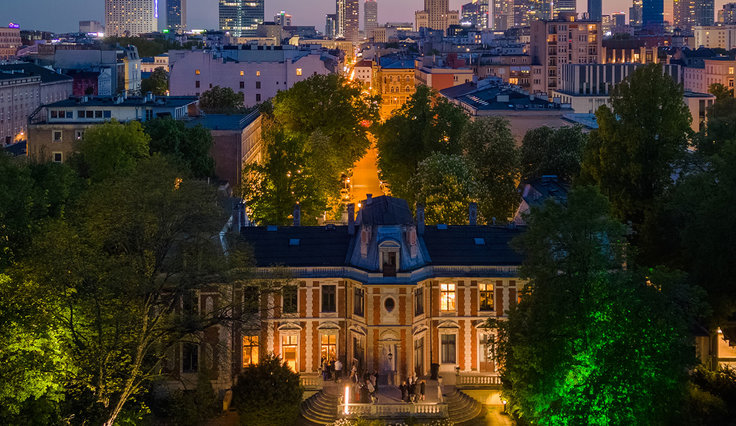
63 15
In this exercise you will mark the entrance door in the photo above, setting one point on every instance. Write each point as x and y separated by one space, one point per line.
388 362
419 356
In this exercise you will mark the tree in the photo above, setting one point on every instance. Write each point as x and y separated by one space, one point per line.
113 148
638 146
592 342
157 83
221 100
189 145
268 393
425 124
444 185
135 249
559 152
720 91
488 145
720 127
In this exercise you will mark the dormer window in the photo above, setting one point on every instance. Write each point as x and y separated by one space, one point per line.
389 257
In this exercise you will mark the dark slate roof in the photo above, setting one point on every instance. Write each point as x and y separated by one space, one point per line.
47 76
318 245
385 210
547 187
457 245
224 121
17 149
110 101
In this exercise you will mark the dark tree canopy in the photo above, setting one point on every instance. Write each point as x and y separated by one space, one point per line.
591 342
444 184
157 83
221 100
189 145
425 124
546 151
113 148
720 127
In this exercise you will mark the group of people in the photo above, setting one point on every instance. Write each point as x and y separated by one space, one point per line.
412 389
367 387
331 369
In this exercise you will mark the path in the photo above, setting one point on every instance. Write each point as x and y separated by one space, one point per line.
365 177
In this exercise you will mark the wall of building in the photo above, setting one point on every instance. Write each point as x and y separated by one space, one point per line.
19 97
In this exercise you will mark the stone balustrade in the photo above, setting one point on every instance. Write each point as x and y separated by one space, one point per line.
390 411
471 380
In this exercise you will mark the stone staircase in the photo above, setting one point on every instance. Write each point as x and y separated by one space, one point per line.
319 409
461 407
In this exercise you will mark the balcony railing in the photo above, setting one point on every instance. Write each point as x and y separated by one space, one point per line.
393 411
473 380
311 381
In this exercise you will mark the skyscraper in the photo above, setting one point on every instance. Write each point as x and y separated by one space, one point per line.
436 15
348 19
503 14
565 6
282 18
477 13
652 13
635 13
331 25
176 15
241 17
370 16
595 10
130 17
704 12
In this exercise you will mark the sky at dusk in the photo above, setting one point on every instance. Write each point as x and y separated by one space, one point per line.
63 15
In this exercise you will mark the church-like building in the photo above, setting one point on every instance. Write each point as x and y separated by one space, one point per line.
386 292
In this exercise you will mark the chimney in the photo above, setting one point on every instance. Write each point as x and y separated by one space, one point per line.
473 214
368 199
420 219
351 219
297 215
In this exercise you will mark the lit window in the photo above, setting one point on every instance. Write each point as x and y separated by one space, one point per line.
289 351
258 73
242 73
447 297
196 72
250 350
329 346
486 297
298 71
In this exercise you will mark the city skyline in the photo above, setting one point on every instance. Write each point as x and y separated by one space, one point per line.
203 14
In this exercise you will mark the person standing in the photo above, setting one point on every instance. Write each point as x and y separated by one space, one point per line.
403 388
422 385
338 370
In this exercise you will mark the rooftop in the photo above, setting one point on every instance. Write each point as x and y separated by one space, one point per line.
224 121
110 101
47 75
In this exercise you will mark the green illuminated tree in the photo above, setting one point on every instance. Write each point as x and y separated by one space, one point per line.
489 147
427 123
189 145
112 149
444 184
547 151
221 100
268 393
157 83
592 342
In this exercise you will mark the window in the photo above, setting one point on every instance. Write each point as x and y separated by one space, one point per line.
419 301
54 114
196 84
69 114
389 304
242 73
298 71
329 346
98 114
89 114
250 350
419 356
242 85
290 297
57 135
258 73
107 113
189 358
289 351
258 84
486 347
359 302
447 297
196 72
250 300
58 157
328 298
486 297
78 135
448 348
258 97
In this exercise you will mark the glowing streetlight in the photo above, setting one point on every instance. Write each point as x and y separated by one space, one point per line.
347 399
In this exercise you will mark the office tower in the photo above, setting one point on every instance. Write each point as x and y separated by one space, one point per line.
476 13
595 10
635 13
567 7
282 18
528 11
704 12
728 13
176 15
331 25
652 13
618 20
130 17
348 19
503 14
436 15
370 16
241 17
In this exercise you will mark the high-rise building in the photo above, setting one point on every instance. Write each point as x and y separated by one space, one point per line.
528 11
176 15
728 15
564 7
595 10
331 25
476 13
436 15
652 13
370 16
282 18
130 17
91 27
348 19
704 12
241 17
689 13
503 14
635 13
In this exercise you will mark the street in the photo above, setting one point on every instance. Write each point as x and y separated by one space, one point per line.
365 177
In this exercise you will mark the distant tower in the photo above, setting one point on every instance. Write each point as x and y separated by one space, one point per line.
241 17
635 13
176 15
595 10
282 18
331 25
370 16
130 17
503 14
564 6
348 19
652 13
